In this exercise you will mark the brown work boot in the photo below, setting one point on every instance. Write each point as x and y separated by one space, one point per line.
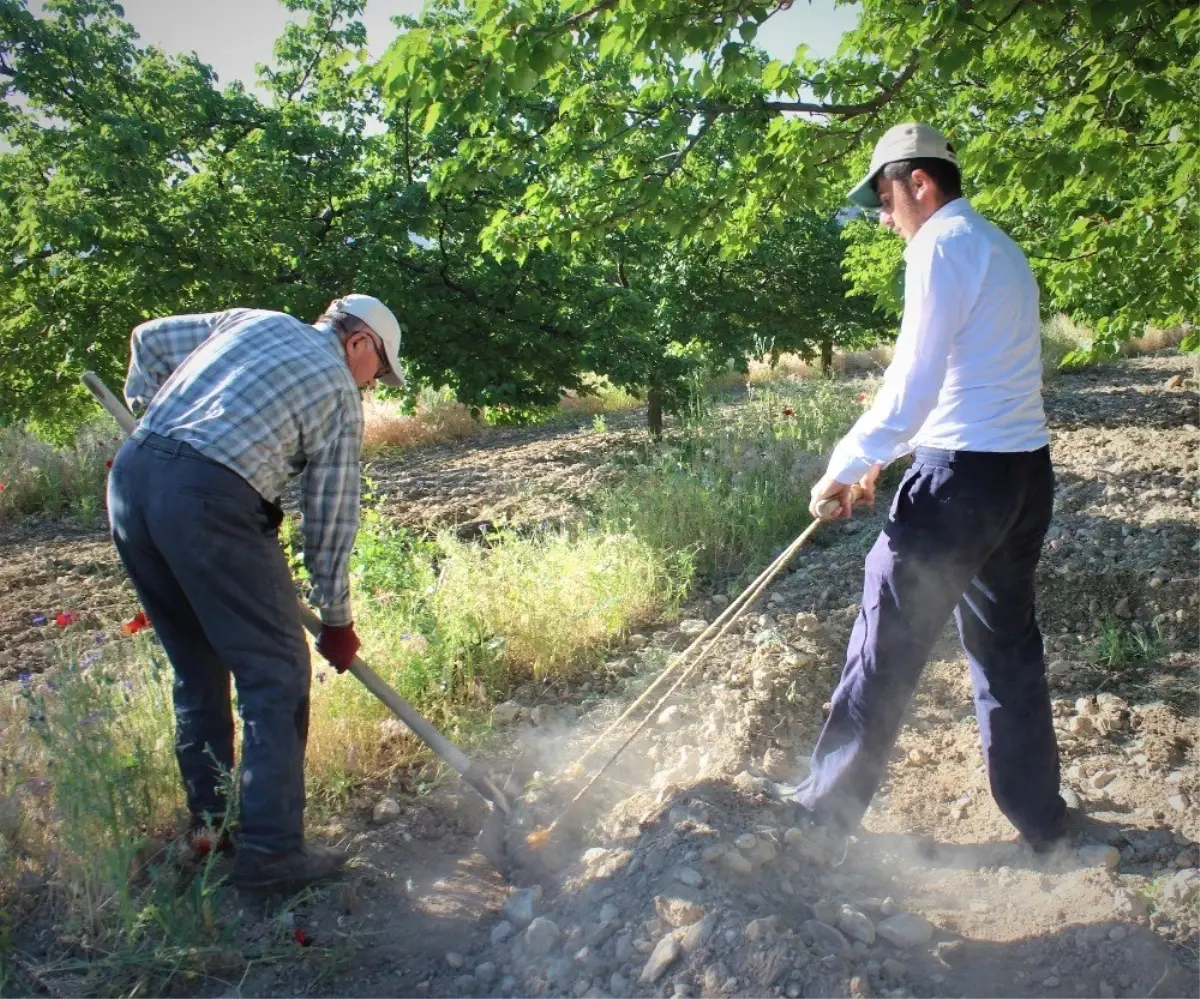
289 871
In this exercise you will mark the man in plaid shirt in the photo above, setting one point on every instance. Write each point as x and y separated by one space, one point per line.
236 404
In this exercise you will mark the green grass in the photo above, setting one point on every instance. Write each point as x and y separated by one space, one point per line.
1119 648
456 626
1062 337
89 796
733 485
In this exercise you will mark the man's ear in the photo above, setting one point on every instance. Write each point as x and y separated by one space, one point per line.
920 182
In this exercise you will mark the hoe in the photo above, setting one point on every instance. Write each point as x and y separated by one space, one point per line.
491 840
500 840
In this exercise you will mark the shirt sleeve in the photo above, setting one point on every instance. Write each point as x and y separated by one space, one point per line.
331 509
159 346
935 309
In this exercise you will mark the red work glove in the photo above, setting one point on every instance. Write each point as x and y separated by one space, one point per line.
338 644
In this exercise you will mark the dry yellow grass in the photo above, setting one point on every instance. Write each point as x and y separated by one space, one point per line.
37 477
1155 339
1061 334
863 362
794 367
788 366
441 422
603 397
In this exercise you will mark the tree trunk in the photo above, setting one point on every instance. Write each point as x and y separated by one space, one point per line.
654 411
826 358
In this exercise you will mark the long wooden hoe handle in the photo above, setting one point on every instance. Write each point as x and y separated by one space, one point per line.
429 735
825 510
725 621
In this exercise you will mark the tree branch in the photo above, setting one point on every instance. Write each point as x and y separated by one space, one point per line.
838 110
316 59
579 18
692 143
1065 260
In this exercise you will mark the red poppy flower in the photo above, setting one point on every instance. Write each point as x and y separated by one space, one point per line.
64 618
108 463
861 397
135 624
303 939
2 487
789 412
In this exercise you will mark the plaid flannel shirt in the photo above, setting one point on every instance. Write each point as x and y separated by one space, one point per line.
269 397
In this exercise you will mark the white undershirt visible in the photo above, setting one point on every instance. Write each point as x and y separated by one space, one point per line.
967 370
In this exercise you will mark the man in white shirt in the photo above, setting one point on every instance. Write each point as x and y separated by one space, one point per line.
965 531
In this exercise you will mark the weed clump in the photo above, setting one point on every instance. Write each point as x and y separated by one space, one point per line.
455 626
90 806
732 485
43 479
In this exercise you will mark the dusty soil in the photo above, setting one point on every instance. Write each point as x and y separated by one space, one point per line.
684 874
517 476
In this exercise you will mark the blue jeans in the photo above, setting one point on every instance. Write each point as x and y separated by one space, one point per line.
201 546
964 536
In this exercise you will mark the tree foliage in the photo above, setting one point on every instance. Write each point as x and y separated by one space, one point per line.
1077 127
134 186
541 188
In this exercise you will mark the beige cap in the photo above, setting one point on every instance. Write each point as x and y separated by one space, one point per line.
910 141
380 318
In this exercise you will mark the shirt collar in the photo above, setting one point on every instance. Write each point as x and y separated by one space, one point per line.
951 209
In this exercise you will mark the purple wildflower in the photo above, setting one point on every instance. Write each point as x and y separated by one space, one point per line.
39 619
320 678
52 685
25 677
97 639
90 658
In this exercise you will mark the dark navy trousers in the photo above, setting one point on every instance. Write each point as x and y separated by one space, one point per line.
963 536
202 549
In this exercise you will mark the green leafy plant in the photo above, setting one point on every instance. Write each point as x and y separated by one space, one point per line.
665 119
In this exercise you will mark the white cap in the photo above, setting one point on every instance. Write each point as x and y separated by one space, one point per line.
910 141
379 317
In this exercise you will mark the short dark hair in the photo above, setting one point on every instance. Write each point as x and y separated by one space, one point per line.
943 173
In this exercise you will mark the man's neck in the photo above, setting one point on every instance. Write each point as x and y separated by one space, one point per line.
924 222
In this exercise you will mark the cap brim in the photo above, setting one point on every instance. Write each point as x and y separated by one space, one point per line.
864 194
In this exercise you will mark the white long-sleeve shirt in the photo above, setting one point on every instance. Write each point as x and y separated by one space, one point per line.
966 374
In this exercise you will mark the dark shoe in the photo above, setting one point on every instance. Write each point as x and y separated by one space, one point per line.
1045 847
287 871
1074 825
802 817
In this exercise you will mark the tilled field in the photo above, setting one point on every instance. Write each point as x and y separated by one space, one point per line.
687 876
